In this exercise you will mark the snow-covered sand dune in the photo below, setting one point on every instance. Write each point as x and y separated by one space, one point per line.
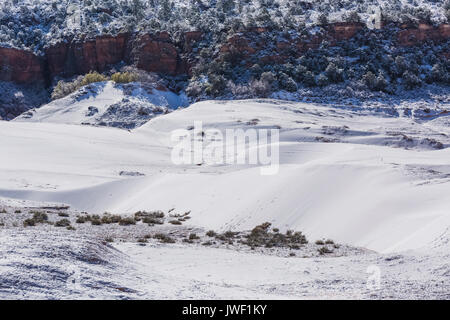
359 177
108 104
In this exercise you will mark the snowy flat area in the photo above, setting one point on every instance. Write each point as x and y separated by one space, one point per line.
360 177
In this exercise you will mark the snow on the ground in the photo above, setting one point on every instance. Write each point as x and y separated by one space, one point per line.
107 104
367 178
59 264
370 187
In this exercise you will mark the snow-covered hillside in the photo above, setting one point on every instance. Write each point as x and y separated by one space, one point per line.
360 177
33 24
107 104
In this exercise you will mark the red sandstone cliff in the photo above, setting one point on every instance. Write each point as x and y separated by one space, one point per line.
79 57
158 53
20 66
413 36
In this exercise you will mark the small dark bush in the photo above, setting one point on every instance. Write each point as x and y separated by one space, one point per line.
193 236
127 221
324 250
62 223
211 233
164 238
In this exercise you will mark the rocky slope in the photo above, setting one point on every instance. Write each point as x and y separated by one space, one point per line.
160 53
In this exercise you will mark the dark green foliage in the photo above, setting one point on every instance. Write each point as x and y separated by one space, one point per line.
411 80
287 83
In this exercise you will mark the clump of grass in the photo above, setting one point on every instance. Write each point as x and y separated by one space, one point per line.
329 241
93 77
142 240
96 222
17 211
211 233
63 214
3 211
324 250
38 217
261 236
109 239
230 234
164 238
320 242
29 223
81 219
181 217
193 236
150 218
108 218
175 222
127 221
62 223
124 77
207 243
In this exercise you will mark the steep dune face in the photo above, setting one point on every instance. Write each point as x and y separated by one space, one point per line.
364 187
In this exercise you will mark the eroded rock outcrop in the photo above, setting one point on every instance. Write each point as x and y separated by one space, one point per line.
83 56
411 36
344 30
159 53
281 49
20 66
156 53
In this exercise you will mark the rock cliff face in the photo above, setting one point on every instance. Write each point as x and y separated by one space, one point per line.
156 53
79 57
253 42
344 30
159 53
242 44
413 36
20 66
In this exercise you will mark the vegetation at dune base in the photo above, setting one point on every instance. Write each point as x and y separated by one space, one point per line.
262 236
124 77
64 88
